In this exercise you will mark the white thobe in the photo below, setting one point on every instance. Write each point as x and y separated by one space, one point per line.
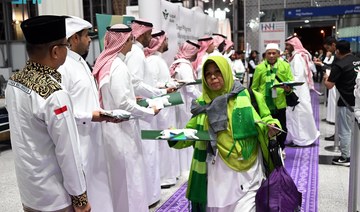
168 157
135 61
122 141
357 98
203 59
44 141
238 67
151 147
300 121
331 97
80 83
331 105
184 71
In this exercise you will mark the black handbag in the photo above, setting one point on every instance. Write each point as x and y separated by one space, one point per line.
291 98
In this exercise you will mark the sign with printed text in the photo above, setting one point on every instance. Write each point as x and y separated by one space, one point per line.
321 11
272 32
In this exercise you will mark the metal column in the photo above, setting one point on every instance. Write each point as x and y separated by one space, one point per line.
354 184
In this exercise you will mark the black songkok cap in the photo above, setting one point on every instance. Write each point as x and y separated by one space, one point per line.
44 29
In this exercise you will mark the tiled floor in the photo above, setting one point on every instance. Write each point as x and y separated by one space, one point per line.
333 180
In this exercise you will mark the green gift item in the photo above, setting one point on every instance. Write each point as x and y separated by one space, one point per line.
155 135
174 99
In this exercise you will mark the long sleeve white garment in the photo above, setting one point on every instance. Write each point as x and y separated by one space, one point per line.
238 66
122 141
185 72
168 157
151 147
44 140
203 59
80 83
135 61
300 121
328 60
357 98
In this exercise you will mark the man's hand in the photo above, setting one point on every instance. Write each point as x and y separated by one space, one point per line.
170 90
318 62
156 111
286 88
272 132
99 117
86 208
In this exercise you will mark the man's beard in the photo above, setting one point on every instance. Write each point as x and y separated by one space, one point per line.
84 56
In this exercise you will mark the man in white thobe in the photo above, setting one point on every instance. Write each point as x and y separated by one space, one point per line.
182 69
80 83
302 130
207 47
168 157
44 136
124 153
138 66
136 63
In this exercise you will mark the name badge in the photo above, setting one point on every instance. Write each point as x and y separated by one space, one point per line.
273 93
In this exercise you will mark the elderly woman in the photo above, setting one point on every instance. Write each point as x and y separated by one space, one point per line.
226 172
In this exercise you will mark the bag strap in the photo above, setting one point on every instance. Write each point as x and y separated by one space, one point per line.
346 103
278 79
253 100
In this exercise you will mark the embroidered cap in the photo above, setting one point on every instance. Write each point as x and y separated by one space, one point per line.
272 46
74 25
44 29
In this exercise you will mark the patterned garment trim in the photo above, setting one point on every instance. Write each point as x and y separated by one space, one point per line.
38 78
79 201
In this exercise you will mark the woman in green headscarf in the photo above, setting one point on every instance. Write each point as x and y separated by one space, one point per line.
226 172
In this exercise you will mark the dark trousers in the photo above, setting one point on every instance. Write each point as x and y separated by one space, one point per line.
280 114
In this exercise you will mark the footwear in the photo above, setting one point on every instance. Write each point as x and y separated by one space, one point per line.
167 186
341 161
330 138
291 144
324 120
332 123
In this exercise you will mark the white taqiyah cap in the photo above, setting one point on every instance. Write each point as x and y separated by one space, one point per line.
75 24
272 46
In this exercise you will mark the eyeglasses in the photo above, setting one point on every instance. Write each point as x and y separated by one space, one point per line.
61 44
68 45
208 74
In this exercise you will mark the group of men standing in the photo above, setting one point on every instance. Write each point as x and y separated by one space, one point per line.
69 153
86 156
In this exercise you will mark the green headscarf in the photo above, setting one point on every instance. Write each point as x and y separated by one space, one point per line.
221 62
242 121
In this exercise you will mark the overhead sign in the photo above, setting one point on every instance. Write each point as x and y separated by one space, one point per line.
321 11
272 32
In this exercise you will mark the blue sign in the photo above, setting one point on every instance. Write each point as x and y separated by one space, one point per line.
351 39
25 1
321 11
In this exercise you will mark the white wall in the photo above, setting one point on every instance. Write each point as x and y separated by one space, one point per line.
61 7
